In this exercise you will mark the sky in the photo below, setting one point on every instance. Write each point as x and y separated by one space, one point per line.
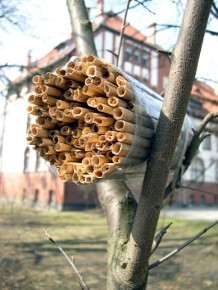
48 24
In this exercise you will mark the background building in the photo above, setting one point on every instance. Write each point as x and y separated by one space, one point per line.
26 178
201 180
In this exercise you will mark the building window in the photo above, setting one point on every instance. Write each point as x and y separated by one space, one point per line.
215 199
216 171
136 56
50 197
207 143
216 143
144 58
128 53
39 161
28 121
26 166
192 199
24 195
197 170
36 196
202 200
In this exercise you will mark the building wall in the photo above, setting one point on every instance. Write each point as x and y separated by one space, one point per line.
202 176
39 181
14 143
194 198
38 189
79 196
154 74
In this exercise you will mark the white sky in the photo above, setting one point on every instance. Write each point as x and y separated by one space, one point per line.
49 24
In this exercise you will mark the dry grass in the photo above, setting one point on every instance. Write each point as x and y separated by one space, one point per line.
28 261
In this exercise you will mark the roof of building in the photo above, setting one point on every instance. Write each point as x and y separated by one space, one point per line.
115 23
203 97
66 47
203 100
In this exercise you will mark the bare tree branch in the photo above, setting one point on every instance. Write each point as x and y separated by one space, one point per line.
198 190
168 26
158 238
176 251
214 10
81 280
10 13
124 25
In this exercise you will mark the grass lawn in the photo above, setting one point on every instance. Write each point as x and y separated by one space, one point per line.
29 261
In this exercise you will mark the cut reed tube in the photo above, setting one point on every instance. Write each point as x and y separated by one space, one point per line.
88 122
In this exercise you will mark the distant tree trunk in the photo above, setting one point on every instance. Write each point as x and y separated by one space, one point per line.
131 230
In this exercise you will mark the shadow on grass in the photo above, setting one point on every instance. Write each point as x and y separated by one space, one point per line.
39 250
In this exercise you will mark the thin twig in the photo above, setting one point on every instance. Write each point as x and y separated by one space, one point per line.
158 238
124 25
209 117
110 51
199 190
176 251
81 280
141 3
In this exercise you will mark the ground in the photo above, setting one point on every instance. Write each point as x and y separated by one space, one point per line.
29 261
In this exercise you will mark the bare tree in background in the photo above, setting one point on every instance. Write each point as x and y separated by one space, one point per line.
12 17
132 227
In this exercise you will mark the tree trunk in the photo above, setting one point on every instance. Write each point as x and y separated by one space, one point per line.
81 27
184 64
131 233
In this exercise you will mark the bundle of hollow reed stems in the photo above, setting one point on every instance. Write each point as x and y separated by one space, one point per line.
86 119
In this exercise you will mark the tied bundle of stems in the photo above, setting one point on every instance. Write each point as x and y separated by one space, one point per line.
86 120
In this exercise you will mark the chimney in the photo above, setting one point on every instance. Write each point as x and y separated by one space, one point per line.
152 33
27 64
99 17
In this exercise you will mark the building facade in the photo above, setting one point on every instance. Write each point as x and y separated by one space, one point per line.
199 186
26 178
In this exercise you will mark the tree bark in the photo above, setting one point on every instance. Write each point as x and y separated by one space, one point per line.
131 233
81 27
119 207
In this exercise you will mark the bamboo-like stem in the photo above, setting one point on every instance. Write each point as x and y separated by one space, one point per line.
116 102
62 147
35 100
38 80
126 93
52 91
105 109
121 81
110 90
103 121
39 132
61 105
128 139
48 99
43 142
111 136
